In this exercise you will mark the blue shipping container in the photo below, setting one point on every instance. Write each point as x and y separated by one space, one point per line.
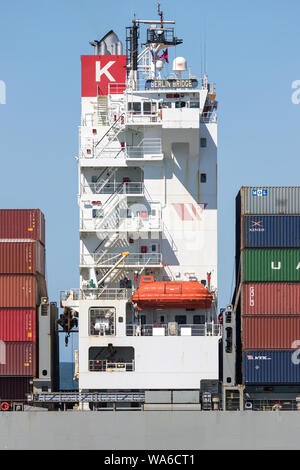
271 367
271 231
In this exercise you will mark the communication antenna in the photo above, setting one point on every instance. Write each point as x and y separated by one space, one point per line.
205 70
160 13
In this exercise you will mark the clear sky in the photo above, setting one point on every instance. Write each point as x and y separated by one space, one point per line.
252 54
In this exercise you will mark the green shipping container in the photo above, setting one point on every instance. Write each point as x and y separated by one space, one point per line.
271 265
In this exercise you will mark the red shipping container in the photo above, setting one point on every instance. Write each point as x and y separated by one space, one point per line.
18 291
271 298
18 358
18 324
22 258
22 224
15 388
270 332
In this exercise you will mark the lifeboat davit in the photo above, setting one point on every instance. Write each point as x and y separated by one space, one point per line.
171 294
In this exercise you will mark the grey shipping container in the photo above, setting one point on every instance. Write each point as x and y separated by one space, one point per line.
277 200
271 367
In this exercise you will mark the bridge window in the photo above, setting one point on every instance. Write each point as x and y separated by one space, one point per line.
102 321
199 319
180 319
135 106
149 107
180 104
165 104
97 213
111 359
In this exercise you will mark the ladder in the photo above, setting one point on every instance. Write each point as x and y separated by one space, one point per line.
114 200
102 110
103 182
111 135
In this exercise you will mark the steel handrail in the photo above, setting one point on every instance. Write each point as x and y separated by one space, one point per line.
138 259
129 187
207 329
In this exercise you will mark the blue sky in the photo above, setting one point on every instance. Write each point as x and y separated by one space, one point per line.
252 54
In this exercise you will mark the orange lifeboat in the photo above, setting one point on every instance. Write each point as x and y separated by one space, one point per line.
171 294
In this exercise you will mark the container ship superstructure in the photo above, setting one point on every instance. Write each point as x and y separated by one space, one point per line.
150 338
147 171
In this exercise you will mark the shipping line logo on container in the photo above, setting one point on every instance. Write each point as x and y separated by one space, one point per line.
259 192
276 265
258 358
256 226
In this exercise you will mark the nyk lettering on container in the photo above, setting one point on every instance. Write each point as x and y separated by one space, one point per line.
258 358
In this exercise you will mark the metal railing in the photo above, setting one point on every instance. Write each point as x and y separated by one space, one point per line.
103 330
173 329
111 293
139 118
102 365
110 188
112 152
208 117
146 148
110 259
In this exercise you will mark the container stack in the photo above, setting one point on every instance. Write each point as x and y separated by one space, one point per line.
22 284
268 278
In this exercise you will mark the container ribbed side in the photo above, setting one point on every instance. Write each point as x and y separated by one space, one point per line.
270 332
270 231
271 298
17 358
18 291
271 367
271 265
15 388
22 258
18 324
22 224
270 200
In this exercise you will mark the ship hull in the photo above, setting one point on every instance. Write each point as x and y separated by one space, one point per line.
156 430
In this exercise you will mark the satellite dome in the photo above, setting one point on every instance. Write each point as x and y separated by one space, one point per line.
179 64
159 64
